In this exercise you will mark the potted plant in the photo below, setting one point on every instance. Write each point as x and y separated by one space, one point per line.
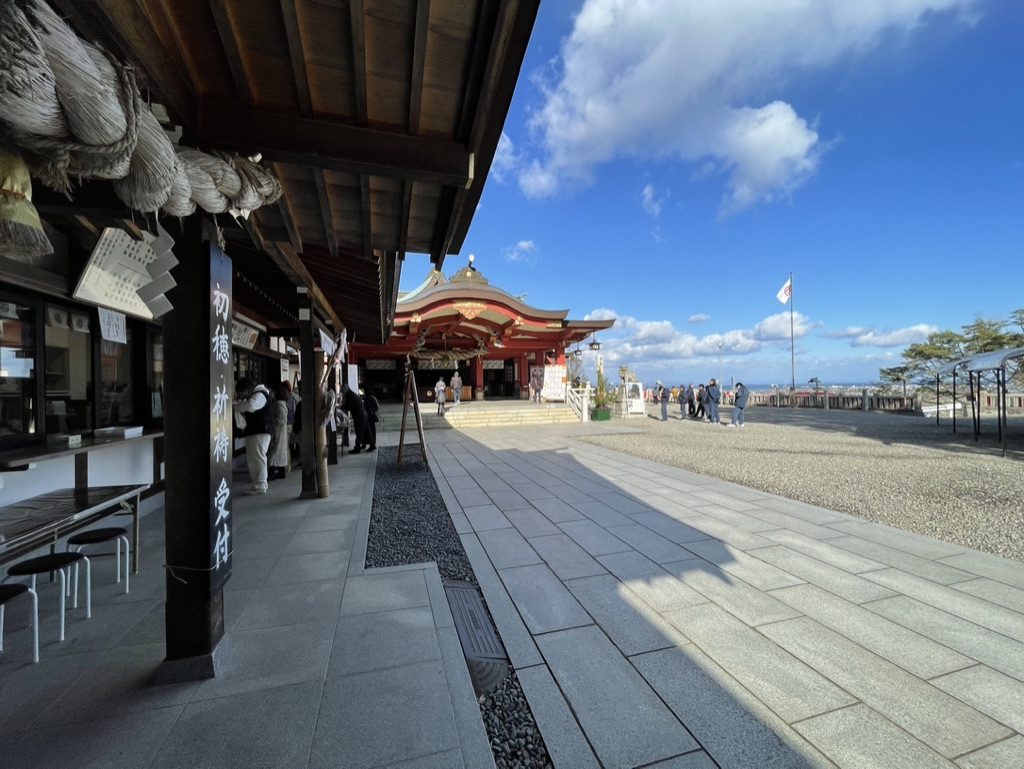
603 400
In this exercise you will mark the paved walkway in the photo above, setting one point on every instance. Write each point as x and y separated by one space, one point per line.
326 665
657 617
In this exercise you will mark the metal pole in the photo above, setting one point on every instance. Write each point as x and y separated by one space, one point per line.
937 423
954 401
792 344
1004 425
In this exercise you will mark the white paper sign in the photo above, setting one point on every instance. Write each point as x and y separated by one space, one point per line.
113 326
243 335
116 270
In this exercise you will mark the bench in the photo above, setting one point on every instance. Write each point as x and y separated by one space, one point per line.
929 411
45 519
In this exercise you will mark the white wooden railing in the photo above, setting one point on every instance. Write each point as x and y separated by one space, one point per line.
578 399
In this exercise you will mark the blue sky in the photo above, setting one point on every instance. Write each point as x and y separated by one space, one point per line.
670 162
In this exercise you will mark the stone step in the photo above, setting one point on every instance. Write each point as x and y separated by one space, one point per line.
489 417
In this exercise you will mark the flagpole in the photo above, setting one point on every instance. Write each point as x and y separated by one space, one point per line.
792 343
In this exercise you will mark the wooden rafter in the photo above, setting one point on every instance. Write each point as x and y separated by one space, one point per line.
359 58
403 226
332 145
298 55
289 224
326 215
295 265
419 58
228 39
367 215
124 27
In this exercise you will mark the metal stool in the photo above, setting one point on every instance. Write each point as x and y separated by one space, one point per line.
97 536
7 594
57 562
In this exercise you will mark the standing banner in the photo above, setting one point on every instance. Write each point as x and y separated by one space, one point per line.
221 387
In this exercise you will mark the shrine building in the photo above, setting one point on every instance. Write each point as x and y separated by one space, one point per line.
492 338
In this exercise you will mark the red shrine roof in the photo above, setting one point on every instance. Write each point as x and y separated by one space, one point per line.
465 316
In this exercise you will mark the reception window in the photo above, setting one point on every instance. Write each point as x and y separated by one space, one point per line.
69 365
19 391
116 406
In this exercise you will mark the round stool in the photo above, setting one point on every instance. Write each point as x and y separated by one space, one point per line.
57 562
7 594
97 536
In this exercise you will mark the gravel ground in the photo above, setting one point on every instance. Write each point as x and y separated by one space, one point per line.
409 523
900 470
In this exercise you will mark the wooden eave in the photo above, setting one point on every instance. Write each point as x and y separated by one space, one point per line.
380 117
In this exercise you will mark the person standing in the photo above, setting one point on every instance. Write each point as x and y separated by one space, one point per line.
253 410
738 418
456 388
278 460
701 398
714 396
664 396
681 397
372 407
691 406
352 405
440 396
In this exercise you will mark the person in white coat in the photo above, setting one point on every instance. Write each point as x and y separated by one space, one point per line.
440 396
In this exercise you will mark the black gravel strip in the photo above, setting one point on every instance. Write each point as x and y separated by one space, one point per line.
409 523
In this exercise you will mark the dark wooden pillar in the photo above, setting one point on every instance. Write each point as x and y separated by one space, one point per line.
332 433
524 374
478 378
198 391
308 394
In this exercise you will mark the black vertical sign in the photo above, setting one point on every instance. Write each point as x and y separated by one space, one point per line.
221 389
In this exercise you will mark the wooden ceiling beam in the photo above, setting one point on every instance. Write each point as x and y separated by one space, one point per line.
355 8
298 55
326 212
233 54
419 59
403 225
289 224
333 146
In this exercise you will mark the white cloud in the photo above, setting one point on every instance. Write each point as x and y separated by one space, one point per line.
895 338
698 317
700 82
651 201
659 343
524 250
505 159
860 336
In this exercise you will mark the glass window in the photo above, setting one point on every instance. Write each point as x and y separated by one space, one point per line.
18 386
116 382
69 402
156 374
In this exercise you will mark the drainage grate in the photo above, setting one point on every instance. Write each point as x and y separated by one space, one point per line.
485 655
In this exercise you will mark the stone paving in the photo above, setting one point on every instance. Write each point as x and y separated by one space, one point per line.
657 617
325 664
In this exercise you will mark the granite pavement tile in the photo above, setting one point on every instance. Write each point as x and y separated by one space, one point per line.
565 741
859 737
1002 755
989 692
911 651
731 593
601 686
655 585
736 729
849 586
749 568
593 538
543 601
507 548
940 721
624 617
565 558
789 687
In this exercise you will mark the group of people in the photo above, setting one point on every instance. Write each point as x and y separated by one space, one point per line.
702 402
441 394
271 423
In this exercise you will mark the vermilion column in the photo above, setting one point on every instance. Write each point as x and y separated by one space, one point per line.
478 378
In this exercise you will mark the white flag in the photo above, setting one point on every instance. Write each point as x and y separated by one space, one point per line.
785 292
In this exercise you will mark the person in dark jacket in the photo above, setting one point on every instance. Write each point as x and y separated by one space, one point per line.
681 398
664 396
701 398
691 406
255 417
714 396
372 418
352 405
742 394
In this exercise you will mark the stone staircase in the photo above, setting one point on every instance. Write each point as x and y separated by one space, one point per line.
471 414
